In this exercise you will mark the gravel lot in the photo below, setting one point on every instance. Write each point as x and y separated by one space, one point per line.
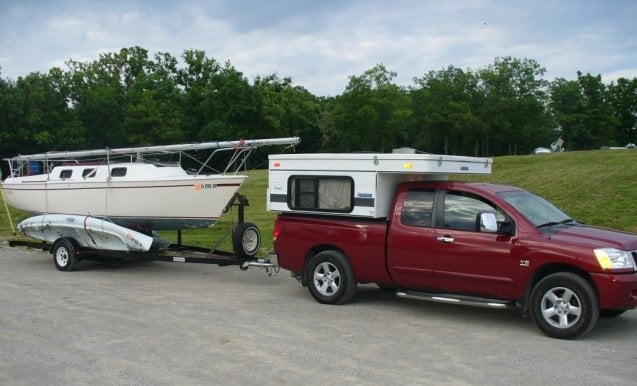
168 323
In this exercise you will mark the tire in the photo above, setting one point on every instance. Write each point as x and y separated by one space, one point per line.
564 306
246 240
610 313
64 255
330 278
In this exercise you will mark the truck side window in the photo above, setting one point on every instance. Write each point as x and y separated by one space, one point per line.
461 211
321 193
417 208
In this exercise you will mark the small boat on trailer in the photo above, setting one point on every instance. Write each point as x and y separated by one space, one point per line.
87 231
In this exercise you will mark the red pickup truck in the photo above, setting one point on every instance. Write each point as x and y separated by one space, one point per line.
468 243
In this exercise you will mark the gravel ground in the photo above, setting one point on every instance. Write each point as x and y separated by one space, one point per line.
167 323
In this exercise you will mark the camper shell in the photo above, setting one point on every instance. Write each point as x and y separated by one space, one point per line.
356 184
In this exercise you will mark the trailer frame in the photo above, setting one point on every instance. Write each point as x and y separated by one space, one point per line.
72 253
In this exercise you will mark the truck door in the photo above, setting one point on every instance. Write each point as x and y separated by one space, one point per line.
410 242
468 260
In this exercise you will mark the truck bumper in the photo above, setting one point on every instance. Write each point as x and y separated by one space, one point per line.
616 291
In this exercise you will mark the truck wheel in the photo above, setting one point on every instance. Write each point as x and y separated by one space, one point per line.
64 255
246 240
330 278
564 305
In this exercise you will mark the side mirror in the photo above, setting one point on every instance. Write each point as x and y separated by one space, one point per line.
487 223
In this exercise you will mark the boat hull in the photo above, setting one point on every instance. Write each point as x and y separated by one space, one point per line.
168 203
89 232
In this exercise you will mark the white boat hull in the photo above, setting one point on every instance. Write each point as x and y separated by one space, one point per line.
168 203
144 188
89 232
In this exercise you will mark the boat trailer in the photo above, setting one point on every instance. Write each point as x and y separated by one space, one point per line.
246 240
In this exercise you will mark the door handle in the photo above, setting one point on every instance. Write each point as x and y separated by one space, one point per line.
445 239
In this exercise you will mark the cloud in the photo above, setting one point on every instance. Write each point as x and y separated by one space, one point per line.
321 43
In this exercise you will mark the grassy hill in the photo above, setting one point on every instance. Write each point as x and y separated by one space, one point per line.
596 187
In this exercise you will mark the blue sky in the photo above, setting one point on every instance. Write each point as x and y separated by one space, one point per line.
319 44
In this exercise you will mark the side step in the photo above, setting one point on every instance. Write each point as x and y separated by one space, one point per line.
455 299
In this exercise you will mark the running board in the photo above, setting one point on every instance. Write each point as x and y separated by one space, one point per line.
455 299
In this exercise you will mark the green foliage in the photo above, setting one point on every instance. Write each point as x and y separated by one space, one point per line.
372 114
130 98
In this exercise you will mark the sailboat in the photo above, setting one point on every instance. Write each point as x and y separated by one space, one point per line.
128 187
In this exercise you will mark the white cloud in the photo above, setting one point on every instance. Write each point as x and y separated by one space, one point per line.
320 44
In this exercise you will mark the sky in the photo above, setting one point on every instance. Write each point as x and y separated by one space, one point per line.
321 43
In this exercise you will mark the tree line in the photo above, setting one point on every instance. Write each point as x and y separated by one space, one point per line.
129 98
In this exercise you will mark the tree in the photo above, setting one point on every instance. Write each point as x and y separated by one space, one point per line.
568 109
598 119
444 120
153 103
623 98
287 110
10 117
98 94
43 111
219 102
372 114
514 110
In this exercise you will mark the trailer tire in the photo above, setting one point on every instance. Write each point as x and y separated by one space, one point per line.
246 240
564 305
64 255
330 278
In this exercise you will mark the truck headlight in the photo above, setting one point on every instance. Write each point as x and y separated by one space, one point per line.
612 258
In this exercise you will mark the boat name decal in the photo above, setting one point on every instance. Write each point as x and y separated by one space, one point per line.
132 239
199 187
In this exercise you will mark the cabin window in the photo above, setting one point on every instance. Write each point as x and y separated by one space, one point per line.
321 193
66 173
86 173
461 211
118 172
418 208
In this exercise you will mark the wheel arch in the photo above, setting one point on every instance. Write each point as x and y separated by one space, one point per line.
316 250
547 270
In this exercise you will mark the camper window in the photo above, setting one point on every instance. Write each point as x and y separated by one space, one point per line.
321 193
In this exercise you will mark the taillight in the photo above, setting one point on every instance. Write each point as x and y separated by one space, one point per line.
276 231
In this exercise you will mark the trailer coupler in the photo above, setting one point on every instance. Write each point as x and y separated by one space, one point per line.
270 264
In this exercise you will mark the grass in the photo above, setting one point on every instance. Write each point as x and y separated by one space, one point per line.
596 187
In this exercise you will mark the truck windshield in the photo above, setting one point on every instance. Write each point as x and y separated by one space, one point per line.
536 209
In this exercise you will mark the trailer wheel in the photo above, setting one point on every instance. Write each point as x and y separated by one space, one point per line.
246 240
564 305
330 278
64 255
